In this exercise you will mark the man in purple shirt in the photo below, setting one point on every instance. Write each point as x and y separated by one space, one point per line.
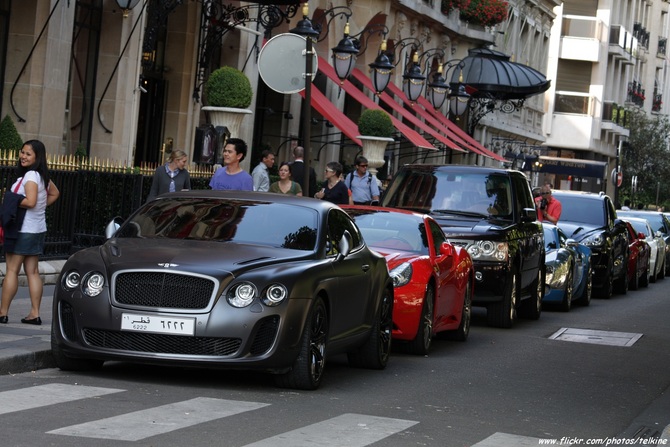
232 176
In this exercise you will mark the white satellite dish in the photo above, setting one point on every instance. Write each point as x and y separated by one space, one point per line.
281 63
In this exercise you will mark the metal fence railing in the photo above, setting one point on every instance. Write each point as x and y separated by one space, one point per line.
91 194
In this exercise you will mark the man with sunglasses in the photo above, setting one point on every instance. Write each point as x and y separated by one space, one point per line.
362 184
548 208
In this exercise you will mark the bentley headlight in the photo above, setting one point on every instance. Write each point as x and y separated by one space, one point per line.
71 280
594 241
274 294
402 274
93 283
241 295
488 251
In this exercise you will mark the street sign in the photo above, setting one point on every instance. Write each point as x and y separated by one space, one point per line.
619 179
281 63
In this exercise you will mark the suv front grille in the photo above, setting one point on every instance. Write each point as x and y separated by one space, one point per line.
163 290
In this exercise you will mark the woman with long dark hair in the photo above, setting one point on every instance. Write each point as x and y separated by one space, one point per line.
39 191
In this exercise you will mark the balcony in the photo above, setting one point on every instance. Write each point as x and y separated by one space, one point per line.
657 103
620 42
615 114
579 39
635 94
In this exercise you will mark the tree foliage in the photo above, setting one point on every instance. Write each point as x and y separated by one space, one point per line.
647 156
10 140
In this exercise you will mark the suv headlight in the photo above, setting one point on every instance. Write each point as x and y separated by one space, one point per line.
595 240
489 251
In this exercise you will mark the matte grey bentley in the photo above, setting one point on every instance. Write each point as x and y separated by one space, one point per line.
238 280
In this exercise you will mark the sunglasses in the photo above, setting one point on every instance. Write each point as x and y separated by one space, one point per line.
545 193
363 166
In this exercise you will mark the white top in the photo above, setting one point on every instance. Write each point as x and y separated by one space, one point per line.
35 221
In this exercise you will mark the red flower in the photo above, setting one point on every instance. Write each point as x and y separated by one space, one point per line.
485 12
449 5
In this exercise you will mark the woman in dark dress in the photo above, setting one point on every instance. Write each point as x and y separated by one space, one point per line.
334 190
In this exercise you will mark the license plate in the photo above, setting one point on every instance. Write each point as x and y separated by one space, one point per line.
158 324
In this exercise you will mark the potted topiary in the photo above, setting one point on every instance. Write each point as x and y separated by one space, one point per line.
228 93
375 128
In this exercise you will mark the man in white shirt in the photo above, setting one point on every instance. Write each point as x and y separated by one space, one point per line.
260 173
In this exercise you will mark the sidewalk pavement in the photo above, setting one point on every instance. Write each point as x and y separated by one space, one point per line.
24 347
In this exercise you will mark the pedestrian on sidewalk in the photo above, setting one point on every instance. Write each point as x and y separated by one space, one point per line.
39 191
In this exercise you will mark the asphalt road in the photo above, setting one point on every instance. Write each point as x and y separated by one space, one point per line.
500 388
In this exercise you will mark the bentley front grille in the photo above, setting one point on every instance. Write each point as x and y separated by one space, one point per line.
163 290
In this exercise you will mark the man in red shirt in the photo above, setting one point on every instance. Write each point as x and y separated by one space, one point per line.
548 208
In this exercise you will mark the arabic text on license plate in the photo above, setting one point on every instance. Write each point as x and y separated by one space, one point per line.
158 324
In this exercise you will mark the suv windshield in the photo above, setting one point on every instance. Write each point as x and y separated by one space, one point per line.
450 192
582 209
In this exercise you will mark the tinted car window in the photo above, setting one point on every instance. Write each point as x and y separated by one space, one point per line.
338 223
657 221
438 236
550 241
642 227
380 229
225 221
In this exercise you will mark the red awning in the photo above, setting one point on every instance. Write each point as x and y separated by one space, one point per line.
414 137
409 116
329 111
458 132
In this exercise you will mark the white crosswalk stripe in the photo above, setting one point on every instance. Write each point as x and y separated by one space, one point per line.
159 420
352 430
43 395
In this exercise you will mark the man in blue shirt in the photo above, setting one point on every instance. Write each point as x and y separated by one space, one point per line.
363 185
232 176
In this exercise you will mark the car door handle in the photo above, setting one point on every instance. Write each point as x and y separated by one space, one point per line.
365 267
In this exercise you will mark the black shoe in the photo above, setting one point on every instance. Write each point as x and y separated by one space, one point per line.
4 319
37 321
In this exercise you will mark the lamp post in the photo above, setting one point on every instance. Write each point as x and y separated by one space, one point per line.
306 30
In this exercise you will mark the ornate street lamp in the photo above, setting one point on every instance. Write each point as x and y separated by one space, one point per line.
344 56
458 98
413 80
126 6
381 69
437 89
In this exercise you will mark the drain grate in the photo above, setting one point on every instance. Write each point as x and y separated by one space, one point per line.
609 338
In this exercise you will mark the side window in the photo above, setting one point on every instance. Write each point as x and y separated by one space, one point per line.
338 223
438 236
523 196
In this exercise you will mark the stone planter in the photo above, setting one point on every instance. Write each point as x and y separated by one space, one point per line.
227 117
373 150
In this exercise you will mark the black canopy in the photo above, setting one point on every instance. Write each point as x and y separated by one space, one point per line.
487 72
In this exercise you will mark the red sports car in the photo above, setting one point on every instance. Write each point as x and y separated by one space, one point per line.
638 260
433 280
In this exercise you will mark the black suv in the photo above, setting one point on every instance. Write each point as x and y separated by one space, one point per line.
591 219
490 212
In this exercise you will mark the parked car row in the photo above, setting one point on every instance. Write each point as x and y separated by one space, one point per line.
256 281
